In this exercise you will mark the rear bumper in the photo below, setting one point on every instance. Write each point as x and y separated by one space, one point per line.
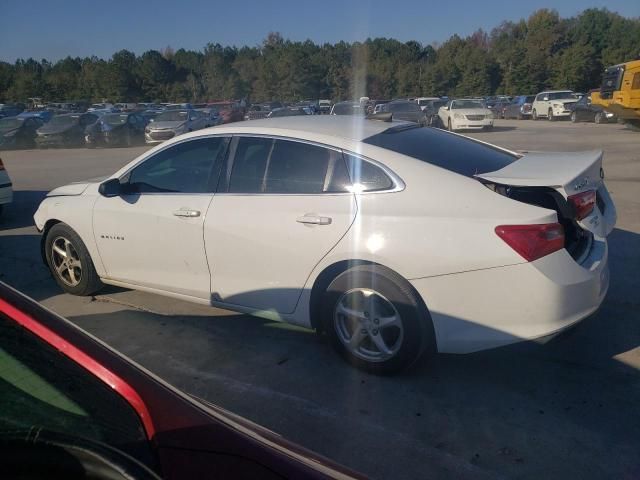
488 308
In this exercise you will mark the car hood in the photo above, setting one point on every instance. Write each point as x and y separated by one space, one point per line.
165 125
49 129
75 188
565 100
413 116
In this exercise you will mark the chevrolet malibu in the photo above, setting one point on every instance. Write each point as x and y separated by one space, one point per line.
393 239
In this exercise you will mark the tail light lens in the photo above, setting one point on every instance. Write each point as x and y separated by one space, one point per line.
1 165
533 241
583 203
526 107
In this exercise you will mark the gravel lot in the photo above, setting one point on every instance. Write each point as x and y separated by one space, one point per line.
564 409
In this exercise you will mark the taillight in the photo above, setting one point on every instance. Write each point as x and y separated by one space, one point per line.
1 165
583 203
533 241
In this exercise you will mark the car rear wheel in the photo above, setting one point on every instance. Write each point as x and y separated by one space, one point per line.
70 262
375 321
574 117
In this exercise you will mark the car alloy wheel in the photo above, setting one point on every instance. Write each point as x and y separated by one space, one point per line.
550 116
534 115
66 261
449 125
599 118
574 117
368 325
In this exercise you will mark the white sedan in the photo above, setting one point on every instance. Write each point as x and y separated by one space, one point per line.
6 187
465 114
394 239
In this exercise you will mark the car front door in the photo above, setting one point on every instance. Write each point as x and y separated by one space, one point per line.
281 207
151 234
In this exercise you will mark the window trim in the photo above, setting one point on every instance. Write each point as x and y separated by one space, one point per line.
397 183
212 184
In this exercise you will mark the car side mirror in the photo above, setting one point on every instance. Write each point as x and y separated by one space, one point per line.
446 107
545 99
110 188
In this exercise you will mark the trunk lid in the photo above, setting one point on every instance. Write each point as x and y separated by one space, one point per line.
568 173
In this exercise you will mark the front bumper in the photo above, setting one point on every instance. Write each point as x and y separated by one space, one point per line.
488 308
158 136
466 124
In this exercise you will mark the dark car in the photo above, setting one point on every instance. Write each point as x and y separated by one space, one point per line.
19 132
229 111
347 108
287 112
430 109
520 107
116 129
72 407
66 130
406 110
10 109
584 111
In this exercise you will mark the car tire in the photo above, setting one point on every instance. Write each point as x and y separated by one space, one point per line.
574 117
449 127
600 118
534 115
353 305
550 116
69 261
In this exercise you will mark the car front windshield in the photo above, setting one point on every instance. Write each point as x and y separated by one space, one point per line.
172 116
470 104
562 96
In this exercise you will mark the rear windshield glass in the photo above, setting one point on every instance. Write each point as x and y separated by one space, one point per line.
452 152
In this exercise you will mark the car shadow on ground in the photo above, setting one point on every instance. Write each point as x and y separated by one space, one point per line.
19 213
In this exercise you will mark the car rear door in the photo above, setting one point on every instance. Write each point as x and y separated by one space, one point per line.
152 234
281 207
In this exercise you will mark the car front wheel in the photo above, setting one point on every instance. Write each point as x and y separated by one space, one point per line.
534 115
70 262
550 116
375 321
574 117
599 118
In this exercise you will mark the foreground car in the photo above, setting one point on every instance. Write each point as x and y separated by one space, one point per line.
116 129
465 114
71 407
6 187
394 239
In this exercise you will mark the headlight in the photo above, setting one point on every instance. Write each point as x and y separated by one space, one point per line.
147 130
557 105
458 116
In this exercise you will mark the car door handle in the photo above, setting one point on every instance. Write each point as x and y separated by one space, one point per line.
187 213
314 220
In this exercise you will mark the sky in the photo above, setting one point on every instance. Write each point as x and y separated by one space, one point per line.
54 29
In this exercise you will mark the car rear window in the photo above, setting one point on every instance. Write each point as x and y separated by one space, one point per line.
442 149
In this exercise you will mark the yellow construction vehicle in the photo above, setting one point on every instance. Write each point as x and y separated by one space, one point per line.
620 92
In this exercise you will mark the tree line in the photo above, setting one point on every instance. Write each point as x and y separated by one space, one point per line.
524 57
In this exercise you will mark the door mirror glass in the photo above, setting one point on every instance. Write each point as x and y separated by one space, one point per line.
110 188
545 99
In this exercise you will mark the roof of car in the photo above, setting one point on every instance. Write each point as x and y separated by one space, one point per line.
347 126
556 91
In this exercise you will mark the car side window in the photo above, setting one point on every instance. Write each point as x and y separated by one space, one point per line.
187 167
365 176
296 167
263 165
